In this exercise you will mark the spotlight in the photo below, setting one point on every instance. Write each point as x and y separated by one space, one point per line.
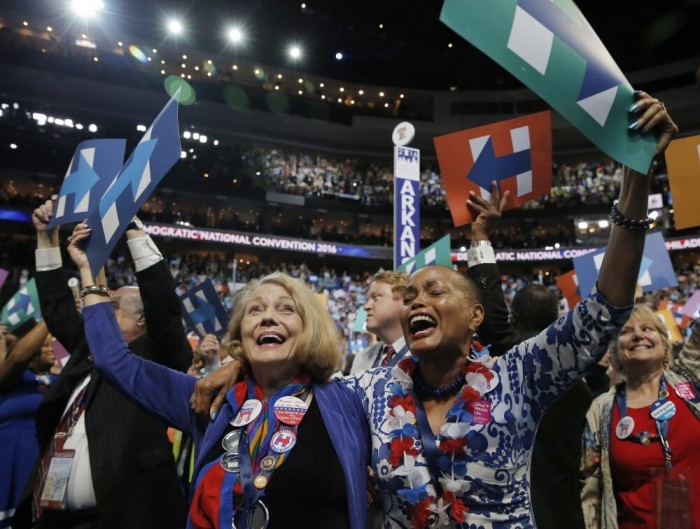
295 52
87 8
339 56
235 35
175 26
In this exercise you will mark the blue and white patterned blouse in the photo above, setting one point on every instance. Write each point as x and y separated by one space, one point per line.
532 375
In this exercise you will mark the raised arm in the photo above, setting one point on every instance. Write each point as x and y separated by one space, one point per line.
161 391
162 308
21 355
55 297
496 330
617 280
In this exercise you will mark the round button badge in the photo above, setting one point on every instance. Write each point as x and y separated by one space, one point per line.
283 441
290 410
248 413
624 428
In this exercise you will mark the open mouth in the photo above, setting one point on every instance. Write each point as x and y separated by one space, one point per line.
421 325
271 338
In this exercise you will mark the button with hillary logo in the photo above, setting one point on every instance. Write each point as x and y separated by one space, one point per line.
290 410
662 410
248 413
283 441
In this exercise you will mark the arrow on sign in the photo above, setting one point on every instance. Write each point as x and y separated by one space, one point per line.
487 167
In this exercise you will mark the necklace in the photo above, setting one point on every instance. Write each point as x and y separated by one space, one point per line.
424 390
428 496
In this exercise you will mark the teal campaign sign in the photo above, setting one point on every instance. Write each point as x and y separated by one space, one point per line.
438 253
360 324
550 47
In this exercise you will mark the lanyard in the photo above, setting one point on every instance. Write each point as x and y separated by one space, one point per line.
432 452
661 423
252 467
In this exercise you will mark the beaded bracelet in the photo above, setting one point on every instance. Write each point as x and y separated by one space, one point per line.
100 290
629 224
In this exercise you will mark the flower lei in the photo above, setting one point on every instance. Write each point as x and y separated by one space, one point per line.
452 445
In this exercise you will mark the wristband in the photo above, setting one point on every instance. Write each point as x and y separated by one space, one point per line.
476 244
100 290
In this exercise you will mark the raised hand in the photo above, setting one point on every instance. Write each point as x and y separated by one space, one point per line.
488 212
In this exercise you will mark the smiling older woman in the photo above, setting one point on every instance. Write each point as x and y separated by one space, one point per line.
258 465
640 443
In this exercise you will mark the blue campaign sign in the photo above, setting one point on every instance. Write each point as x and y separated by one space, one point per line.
656 270
204 311
406 204
94 165
488 167
152 158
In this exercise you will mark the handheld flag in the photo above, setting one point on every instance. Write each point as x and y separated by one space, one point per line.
360 324
656 269
21 307
674 333
553 50
683 164
437 253
568 284
94 165
204 311
691 309
152 158
517 153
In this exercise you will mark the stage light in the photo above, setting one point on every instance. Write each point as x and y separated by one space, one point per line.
338 56
92 127
87 8
295 52
175 26
235 35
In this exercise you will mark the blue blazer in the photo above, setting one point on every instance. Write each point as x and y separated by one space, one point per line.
166 393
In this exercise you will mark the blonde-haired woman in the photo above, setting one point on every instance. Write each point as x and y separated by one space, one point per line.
258 464
639 457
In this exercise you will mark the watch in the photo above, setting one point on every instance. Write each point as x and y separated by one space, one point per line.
135 224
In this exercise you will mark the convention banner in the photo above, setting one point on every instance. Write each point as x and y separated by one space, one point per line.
517 153
552 49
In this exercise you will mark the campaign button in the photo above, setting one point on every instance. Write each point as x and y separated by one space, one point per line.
624 428
260 482
267 463
229 462
290 410
662 410
283 441
686 391
231 440
248 413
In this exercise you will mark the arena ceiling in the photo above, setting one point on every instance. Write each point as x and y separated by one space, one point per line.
383 42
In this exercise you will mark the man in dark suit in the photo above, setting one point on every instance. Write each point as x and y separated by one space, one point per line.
122 472
384 300
554 471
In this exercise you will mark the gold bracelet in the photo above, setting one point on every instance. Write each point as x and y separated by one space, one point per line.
100 290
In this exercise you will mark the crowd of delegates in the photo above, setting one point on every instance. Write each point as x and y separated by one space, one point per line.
233 167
